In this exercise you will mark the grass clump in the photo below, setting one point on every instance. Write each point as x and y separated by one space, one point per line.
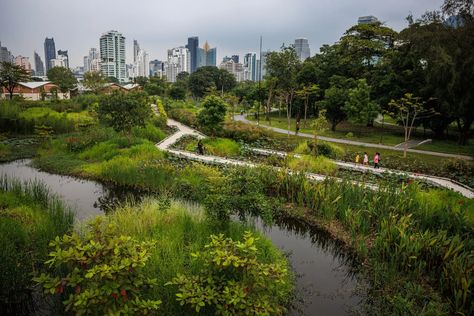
319 164
222 147
30 216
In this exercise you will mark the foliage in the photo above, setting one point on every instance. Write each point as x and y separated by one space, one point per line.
177 92
11 75
211 118
30 216
149 131
184 116
124 111
218 147
103 272
240 131
63 78
233 280
94 81
359 107
207 78
319 164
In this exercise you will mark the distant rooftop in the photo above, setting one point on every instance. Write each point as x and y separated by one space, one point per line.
367 19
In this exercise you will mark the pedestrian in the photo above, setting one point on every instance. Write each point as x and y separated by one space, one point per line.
200 148
366 159
357 158
297 127
376 160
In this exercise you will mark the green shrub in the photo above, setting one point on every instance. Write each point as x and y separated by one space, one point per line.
100 152
244 132
233 280
160 118
321 148
211 117
222 147
103 272
149 131
319 164
184 116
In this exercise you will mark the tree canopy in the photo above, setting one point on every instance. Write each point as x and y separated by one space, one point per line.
63 78
11 75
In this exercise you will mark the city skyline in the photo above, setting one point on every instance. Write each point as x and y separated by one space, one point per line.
232 33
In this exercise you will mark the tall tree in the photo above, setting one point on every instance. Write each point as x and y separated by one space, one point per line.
11 75
94 80
359 107
63 78
211 118
284 66
210 78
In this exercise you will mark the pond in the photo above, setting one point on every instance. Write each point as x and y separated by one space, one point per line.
326 282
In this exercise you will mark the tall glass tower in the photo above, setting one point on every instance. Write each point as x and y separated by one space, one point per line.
193 45
49 52
302 48
112 55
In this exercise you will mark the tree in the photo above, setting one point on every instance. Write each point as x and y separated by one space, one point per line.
284 66
210 78
319 125
94 80
142 81
359 107
306 92
211 118
335 98
123 111
406 109
112 79
177 91
156 86
63 78
11 75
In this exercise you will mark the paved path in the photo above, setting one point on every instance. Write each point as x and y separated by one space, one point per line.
433 180
183 130
243 118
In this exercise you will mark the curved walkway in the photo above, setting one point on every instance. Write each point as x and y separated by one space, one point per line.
183 130
243 118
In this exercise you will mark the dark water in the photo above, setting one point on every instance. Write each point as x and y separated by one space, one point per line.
326 283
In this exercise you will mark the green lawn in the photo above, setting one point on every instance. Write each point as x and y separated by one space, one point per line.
388 135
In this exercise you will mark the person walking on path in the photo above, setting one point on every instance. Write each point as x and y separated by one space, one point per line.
200 148
366 159
357 158
376 160
297 127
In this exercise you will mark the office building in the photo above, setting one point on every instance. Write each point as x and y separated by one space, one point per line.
192 46
23 62
136 50
234 68
179 60
64 56
92 60
39 66
5 55
156 68
302 48
59 61
207 56
235 58
49 52
369 19
250 66
112 55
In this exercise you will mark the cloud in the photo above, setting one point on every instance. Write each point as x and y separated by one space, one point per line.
233 26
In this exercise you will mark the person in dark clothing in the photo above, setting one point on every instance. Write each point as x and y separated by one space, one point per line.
297 127
200 147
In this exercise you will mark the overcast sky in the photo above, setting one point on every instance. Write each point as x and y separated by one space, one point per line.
233 27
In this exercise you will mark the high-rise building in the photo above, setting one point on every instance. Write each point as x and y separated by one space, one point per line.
192 46
49 52
136 50
250 66
235 58
156 68
234 68
369 19
65 57
87 64
59 61
23 62
302 48
207 56
5 55
179 60
112 55
263 61
92 61
39 66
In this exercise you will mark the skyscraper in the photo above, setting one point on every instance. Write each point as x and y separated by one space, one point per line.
156 68
65 57
49 52
250 66
302 48
112 55
207 56
369 19
39 66
23 62
193 45
136 49
179 60
235 58
5 55
92 60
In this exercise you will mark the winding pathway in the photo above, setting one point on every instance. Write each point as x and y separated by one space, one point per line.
243 118
183 130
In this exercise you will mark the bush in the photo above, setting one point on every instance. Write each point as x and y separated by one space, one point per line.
217 147
244 132
103 272
184 116
149 131
160 118
233 280
321 148
319 164
211 117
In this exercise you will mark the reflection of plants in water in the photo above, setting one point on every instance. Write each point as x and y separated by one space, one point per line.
113 197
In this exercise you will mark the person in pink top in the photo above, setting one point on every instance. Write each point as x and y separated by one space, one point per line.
376 160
